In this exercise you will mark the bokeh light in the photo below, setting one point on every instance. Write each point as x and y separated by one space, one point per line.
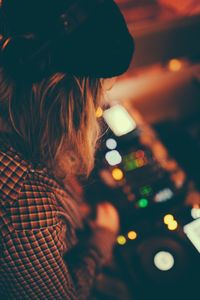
168 219
121 240
142 203
175 65
132 235
173 225
99 112
117 174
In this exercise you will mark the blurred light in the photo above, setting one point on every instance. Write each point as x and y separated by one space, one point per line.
140 162
172 225
175 65
164 195
127 189
99 112
117 174
119 120
146 190
113 158
164 261
131 197
121 240
111 144
129 162
195 213
142 203
132 235
168 219
140 154
192 231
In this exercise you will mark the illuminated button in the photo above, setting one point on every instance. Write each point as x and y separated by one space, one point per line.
132 235
113 158
168 219
129 162
175 65
140 154
117 174
164 195
164 261
111 144
192 231
173 225
121 240
146 190
140 162
119 120
99 112
142 203
195 213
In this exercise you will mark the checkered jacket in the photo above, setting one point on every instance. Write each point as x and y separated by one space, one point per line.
41 256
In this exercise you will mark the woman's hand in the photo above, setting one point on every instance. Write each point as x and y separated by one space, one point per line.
107 216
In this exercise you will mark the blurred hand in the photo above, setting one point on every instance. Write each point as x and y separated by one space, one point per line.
107 216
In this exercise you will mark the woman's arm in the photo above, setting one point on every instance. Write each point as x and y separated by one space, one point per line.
33 261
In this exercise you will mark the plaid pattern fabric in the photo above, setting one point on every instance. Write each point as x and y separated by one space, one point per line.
38 223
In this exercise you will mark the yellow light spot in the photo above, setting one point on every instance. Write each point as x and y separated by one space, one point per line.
168 219
173 225
99 112
117 174
175 65
139 162
121 240
132 235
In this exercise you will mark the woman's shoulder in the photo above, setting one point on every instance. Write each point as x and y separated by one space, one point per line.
26 191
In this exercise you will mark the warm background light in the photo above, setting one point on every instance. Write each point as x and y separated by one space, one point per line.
117 174
132 235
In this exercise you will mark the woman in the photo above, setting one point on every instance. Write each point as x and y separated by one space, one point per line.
57 60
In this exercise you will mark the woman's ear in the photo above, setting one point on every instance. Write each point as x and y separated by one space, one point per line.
107 83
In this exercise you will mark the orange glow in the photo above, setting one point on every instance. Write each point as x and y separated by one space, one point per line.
140 162
99 112
132 235
6 43
175 65
196 205
117 174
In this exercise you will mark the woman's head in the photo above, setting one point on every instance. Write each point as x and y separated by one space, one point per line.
54 119
52 65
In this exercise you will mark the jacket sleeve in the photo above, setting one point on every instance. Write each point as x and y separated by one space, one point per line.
33 264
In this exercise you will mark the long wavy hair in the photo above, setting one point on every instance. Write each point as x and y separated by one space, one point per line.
54 120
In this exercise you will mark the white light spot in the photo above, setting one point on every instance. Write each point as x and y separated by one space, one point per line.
164 261
164 195
113 158
119 120
195 213
111 144
192 230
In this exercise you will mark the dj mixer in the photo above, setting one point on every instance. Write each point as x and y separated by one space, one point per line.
157 250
